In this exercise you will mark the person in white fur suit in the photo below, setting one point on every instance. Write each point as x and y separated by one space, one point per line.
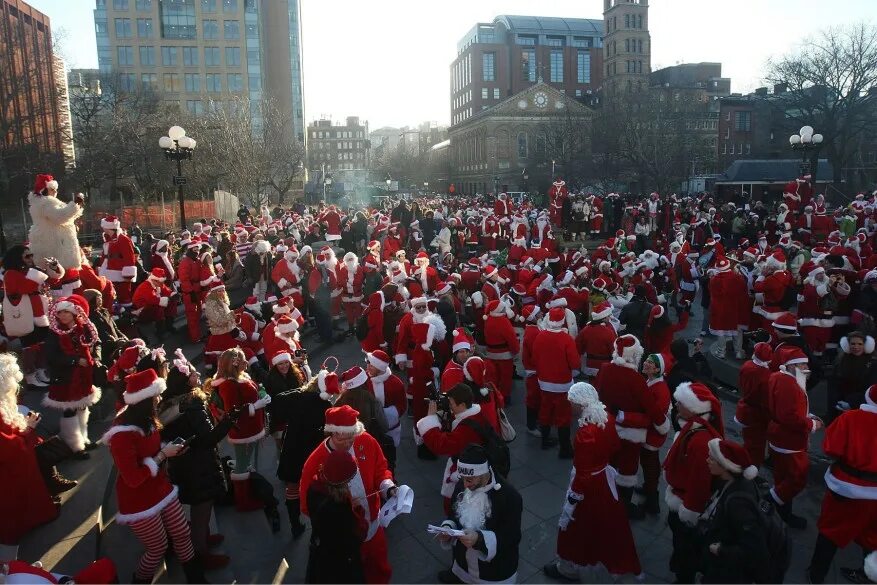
53 233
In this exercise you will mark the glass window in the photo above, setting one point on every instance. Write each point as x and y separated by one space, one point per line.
177 19
626 21
639 46
252 31
212 57
583 42
105 58
169 56
232 56
484 93
123 28
147 56
255 82
120 4
171 82
235 82
149 80
639 20
195 106
125 56
528 64
525 40
101 28
208 5
232 30
190 56
554 41
583 67
211 29
250 6
496 93
143 5
522 145
193 82
100 4
556 66
144 28
230 6
127 81
214 82
488 67
742 121
627 45
253 57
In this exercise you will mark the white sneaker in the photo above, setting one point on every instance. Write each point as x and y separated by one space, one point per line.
32 380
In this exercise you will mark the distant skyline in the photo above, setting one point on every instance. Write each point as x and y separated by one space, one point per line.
388 61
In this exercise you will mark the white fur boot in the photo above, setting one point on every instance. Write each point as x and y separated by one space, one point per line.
71 434
82 416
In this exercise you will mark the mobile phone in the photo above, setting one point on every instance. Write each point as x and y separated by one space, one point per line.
179 441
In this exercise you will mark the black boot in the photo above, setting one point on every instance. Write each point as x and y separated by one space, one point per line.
295 523
273 517
423 452
532 421
56 482
135 580
793 521
634 512
547 441
194 571
652 504
820 562
565 451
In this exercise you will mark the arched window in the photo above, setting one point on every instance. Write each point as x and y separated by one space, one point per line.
523 151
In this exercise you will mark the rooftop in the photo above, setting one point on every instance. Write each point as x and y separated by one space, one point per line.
550 24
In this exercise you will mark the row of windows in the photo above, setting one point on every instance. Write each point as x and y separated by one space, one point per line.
634 66
485 93
170 56
190 82
464 115
343 145
630 21
632 45
488 67
228 6
338 134
231 29
462 74
324 157
739 148
462 99
533 40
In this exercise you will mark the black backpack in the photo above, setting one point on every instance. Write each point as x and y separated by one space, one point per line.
776 532
497 449
361 329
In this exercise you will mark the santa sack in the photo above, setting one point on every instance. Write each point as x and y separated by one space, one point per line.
18 319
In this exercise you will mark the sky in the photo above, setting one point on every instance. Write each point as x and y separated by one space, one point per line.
387 61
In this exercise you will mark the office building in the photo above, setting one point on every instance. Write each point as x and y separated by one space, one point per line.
627 46
336 147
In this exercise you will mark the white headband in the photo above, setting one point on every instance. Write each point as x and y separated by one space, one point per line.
472 469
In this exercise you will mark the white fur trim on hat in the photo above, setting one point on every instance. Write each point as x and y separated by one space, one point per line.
110 225
153 389
716 453
685 396
290 327
280 358
597 315
53 185
356 429
630 356
558 302
360 379
376 362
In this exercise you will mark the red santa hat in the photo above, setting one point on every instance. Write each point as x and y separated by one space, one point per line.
627 351
601 311
44 182
343 419
490 272
353 378
556 318
327 381
791 356
777 260
110 222
75 304
723 264
286 325
474 370
282 307
600 284
733 457
418 301
379 359
697 398
556 301
338 468
786 323
158 274
252 304
531 312
280 357
443 288
421 259
751 253
461 340
762 354
373 245
142 385
871 395
520 290
215 285
656 312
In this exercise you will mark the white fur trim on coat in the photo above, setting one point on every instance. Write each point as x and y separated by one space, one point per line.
36 276
148 513
84 402
151 464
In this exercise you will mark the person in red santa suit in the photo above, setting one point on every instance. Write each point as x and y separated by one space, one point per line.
147 500
331 219
287 275
753 411
461 349
350 278
789 430
389 390
502 207
374 340
392 243
805 227
424 278
189 272
655 366
557 193
727 290
595 223
849 507
596 340
372 481
251 322
557 361
153 302
815 322
502 344
689 277
119 260
689 481
479 375
593 528
161 258
770 288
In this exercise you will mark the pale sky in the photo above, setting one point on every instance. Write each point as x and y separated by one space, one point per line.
387 61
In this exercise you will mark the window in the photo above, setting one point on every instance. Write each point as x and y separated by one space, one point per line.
488 67
144 28
627 45
748 148
496 93
522 145
177 19
252 31
127 81
101 28
528 64
727 132
484 93
724 148
583 67
230 6
232 30
125 56
149 80
554 41
143 5
190 56
211 56
232 56
147 56
639 20
214 82
639 46
193 82
578 93
208 5
211 29
743 121
235 82
120 4
253 57
556 66
732 148
169 56
123 28
540 147
104 58
254 81
195 106
171 82
583 42
639 66
525 40
250 6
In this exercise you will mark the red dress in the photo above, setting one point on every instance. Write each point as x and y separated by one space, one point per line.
599 531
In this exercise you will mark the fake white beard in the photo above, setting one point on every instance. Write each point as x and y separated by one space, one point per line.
351 270
473 509
420 317
801 379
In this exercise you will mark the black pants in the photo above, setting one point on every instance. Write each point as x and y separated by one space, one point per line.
685 559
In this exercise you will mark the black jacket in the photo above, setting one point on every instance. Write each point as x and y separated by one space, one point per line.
304 414
635 315
336 537
197 472
111 337
60 363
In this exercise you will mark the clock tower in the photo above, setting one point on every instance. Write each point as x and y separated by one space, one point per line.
626 46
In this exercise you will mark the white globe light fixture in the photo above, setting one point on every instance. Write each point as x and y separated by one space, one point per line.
178 147
176 132
165 142
807 141
794 139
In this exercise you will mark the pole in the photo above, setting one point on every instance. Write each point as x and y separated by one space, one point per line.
163 225
180 195
23 217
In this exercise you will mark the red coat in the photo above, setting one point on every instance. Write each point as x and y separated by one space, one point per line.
753 408
689 481
555 357
424 281
452 375
810 314
790 425
656 435
287 276
626 394
375 317
189 273
241 393
452 443
770 290
527 344
595 343
351 284
727 290
142 486
119 261
146 295
24 287
332 220
390 392
500 338
850 440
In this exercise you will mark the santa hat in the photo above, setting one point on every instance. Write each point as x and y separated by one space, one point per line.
343 419
627 351
286 325
566 278
600 284
280 357
777 260
130 357
350 258
474 370
418 301
443 288
215 285
520 290
531 312
461 340
158 274
490 272
282 307
353 378
22 573
762 354
791 356
656 312
733 457
601 311
663 363
723 264
871 395
338 468
75 304
379 359
142 385
556 301
786 323
421 259
327 381
697 398
44 182
556 318
252 304
110 222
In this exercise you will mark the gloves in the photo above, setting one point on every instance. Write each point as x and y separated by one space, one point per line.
260 404
566 514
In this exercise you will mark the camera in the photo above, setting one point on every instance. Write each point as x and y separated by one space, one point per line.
443 405
300 353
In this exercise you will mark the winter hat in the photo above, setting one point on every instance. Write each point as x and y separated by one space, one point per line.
142 385
871 395
280 357
593 411
762 354
601 311
252 304
490 272
418 301
43 182
556 318
338 468
531 312
421 259
600 284
474 370
627 351
697 398
869 342
656 312
662 362
786 323
327 381
733 457
281 307
473 462
461 340
723 264
110 222
75 304
379 359
343 419
777 260
791 356
556 301
353 378
130 357
286 325
443 288
158 274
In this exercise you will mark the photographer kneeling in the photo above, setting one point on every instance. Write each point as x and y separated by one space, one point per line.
461 403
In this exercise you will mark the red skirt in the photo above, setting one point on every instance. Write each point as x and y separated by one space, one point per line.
77 393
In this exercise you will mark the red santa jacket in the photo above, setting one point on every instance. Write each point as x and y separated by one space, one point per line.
119 261
332 220
626 394
142 486
189 272
24 287
849 440
287 276
727 290
375 318
810 313
527 344
452 375
689 481
423 281
452 443
350 283
242 393
595 343
556 359
146 295
656 435
770 290
753 408
790 426
500 338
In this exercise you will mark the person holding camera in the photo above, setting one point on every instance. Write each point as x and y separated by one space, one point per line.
155 303
148 502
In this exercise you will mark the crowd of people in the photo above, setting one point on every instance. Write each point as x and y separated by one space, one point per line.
451 299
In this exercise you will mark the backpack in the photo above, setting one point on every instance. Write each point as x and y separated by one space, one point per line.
776 532
361 329
497 450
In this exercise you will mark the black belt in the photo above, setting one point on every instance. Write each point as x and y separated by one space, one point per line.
857 473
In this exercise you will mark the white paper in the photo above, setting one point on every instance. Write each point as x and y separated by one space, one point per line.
443 530
401 503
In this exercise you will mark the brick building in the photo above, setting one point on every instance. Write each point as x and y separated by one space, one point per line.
338 147
627 46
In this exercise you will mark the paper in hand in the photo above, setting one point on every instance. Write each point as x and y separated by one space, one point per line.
432 529
401 503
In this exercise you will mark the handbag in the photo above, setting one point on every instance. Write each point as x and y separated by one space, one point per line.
506 430
18 319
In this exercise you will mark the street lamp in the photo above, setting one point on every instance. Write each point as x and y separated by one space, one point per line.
425 187
389 182
526 178
496 185
807 142
179 147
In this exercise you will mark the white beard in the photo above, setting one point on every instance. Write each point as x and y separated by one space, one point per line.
473 509
420 317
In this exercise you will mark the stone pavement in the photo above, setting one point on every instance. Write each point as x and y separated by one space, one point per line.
259 557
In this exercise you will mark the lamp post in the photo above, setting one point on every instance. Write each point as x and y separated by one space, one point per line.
425 187
179 147
807 142
496 185
525 176
389 182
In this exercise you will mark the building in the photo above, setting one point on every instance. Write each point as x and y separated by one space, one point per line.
705 78
627 46
500 59
32 105
338 147
513 146
201 52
